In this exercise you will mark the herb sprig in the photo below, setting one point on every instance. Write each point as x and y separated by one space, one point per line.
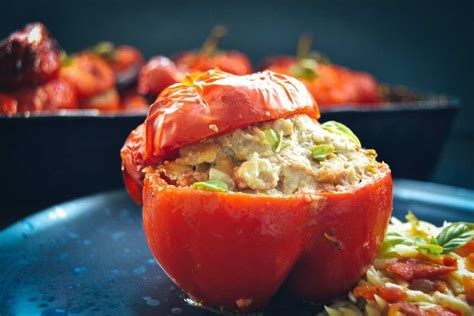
451 237
275 139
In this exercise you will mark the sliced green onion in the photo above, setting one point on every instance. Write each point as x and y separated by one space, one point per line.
211 185
274 139
271 136
320 152
341 129
279 146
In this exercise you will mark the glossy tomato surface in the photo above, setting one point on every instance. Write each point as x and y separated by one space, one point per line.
224 250
350 228
234 250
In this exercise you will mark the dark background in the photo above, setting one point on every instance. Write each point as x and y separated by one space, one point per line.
426 45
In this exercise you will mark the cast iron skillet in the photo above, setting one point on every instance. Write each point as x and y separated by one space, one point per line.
49 158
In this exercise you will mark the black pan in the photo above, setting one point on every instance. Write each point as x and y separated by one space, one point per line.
50 158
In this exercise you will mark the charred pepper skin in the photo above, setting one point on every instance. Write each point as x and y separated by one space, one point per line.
28 57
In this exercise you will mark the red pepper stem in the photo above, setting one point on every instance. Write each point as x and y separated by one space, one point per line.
304 45
212 41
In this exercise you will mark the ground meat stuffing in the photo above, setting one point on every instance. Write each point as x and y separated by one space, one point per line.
284 156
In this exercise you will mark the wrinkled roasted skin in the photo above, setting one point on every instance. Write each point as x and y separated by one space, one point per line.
335 85
229 61
28 57
132 154
234 250
180 116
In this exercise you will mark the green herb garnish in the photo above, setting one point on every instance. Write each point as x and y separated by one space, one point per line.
66 59
271 136
320 152
455 236
280 144
105 50
274 139
305 69
452 237
211 185
341 129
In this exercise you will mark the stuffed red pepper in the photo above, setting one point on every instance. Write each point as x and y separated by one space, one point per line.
242 189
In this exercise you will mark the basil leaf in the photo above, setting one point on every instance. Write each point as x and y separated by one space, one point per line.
211 185
271 136
341 129
455 236
320 152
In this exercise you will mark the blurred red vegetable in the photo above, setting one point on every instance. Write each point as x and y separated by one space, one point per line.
131 100
331 85
157 74
107 101
88 73
209 57
8 104
125 61
28 57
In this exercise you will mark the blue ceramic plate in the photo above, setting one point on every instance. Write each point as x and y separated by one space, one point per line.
89 257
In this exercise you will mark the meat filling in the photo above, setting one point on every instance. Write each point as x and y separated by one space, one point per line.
284 156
